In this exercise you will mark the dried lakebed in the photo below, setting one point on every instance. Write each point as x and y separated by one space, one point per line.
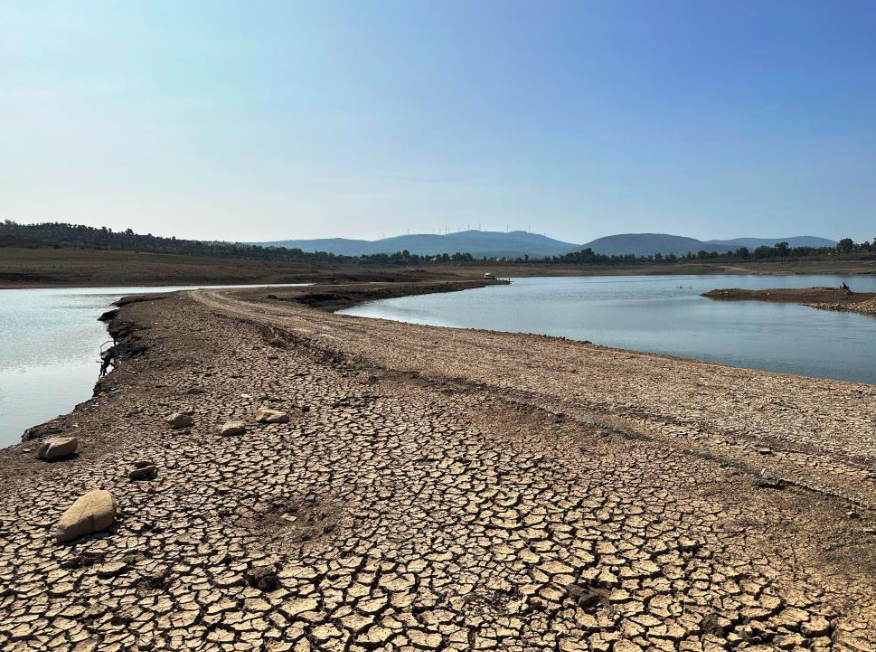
439 489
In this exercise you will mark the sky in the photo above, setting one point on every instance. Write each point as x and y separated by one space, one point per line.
265 120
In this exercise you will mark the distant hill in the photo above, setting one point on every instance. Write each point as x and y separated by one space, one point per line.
492 244
517 244
648 244
796 241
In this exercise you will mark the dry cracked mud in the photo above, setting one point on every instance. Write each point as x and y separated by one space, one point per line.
440 489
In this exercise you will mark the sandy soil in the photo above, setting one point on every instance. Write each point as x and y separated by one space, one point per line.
818 297
441 489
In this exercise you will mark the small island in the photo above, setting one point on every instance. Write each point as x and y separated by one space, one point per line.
824 298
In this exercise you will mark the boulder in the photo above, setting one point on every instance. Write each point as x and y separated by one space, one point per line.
180 420
233 428
58 447
91 512
267 415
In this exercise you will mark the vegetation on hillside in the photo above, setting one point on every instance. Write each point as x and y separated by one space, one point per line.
58 234
782 250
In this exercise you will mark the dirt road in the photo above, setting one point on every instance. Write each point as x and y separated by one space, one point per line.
442 489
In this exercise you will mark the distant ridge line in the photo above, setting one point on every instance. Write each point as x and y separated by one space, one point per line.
522 244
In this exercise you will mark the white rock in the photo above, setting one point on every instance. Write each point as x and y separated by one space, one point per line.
267 415
91 512
233 428
58 447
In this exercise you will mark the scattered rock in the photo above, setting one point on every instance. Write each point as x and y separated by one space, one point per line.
267 415
57 448
179 420
590 599
233 428
91 512
263 578
143 471
769 480
42 430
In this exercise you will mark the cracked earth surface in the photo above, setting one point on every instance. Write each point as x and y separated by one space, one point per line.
441 489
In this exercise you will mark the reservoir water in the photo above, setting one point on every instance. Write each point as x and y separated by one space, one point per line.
49 348
665 314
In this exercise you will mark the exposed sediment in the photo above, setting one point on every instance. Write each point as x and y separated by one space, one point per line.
823 298
440 489
336 296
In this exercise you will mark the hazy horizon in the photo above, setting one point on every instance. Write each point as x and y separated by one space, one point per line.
511 231
276 121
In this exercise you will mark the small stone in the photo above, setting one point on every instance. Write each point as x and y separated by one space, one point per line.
263 578
769 480
233 428
147 472
57 448
267 415
91 512
765 451
180 420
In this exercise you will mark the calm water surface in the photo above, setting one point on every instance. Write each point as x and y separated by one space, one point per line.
665 315
49 351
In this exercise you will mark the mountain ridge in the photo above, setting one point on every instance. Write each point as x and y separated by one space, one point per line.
520 244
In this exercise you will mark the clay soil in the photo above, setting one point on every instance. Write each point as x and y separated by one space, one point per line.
440 489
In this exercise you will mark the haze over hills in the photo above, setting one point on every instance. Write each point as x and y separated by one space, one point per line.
518 244
492 244
648 244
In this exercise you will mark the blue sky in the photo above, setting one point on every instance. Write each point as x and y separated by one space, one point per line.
269 120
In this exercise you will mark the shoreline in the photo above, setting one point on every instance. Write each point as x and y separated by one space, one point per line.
495 478
822 298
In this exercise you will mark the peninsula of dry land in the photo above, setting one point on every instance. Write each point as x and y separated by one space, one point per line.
413 488
824 298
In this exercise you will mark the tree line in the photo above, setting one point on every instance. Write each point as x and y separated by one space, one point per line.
59 233
587 256
62 234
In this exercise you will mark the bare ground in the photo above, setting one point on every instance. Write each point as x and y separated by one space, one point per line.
823 298
442 489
